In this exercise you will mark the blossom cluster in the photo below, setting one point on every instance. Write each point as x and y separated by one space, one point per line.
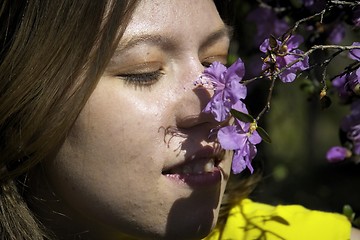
274 19
315 25
284 56
321 22
242 136
350 127
348 83
348 88
229 92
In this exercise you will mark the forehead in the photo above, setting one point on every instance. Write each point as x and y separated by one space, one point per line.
175 18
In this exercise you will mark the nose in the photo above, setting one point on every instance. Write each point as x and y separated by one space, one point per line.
191 99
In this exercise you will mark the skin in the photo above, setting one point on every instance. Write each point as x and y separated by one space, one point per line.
107 177
355 234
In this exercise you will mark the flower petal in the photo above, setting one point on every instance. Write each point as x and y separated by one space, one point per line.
237 68
216 72
355 53
287 76
241 107
255 138
238 163
336 154
230 139
357 148
264 47
218 108
294 41
235 91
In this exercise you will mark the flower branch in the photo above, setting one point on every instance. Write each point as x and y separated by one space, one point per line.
283 60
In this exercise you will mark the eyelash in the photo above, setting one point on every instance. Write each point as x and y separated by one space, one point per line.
211 60
142 79
206 64
148 78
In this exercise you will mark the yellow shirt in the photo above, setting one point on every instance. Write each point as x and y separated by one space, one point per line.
250 220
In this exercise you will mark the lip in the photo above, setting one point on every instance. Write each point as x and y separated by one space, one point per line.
195 180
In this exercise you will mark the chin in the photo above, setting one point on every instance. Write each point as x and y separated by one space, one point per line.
196 225
184 222
192 232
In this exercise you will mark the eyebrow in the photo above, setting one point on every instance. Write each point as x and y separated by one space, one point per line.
152 39
170 43
225 32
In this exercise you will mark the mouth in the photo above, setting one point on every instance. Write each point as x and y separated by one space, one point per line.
200 166
196 171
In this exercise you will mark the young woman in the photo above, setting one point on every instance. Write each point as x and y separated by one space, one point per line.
102 135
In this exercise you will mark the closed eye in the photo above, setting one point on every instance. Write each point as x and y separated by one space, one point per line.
142 79
209 60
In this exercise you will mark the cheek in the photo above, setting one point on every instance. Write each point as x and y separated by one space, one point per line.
113 153
118 121
113 131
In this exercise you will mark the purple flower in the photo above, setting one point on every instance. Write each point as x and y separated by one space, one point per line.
355 53
283 54
226 85
354 135
337 34
356 17
267 23
348 84
242 138
351 126
308 3
354 81
340 84
337 154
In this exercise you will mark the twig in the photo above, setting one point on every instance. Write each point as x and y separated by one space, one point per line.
245 82
353 3
276 74
268 101
296 25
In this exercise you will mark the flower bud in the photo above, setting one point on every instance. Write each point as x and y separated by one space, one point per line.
338 154
356 89
322 93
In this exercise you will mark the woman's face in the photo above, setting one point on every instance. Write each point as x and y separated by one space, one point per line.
138 159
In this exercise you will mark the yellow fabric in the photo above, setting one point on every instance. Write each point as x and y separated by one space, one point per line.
250 220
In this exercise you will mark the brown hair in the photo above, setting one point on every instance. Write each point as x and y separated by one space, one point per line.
52 54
